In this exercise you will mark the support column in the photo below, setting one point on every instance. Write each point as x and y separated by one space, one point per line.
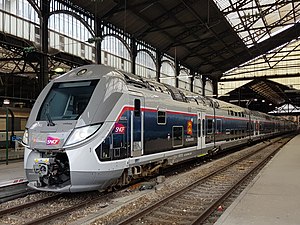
177 71
203 85
192 74
98 37
158 65
133 48
215 87
44 73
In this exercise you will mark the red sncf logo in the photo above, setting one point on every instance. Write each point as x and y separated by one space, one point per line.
52 140
119 128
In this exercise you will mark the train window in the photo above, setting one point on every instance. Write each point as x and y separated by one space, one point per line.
177 136
105 154
102 151
117 152
175 93
209 126
118 140
239 114
218 126
161 117
137 107
203 127
66 101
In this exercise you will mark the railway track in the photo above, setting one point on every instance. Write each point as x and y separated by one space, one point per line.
195 203
190 205
23 214
16 189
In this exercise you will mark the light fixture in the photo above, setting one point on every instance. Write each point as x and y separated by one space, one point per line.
6 102
59 70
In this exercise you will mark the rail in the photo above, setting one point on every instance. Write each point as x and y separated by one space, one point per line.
161 211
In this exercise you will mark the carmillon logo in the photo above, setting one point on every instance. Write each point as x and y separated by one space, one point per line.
52 140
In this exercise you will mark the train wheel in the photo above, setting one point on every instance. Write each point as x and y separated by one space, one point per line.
125 179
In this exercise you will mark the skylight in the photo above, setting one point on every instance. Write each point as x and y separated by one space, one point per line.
257 20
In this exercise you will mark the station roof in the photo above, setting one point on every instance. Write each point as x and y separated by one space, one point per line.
263 95
209 37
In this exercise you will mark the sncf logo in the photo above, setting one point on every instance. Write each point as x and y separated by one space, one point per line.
119 128
52 140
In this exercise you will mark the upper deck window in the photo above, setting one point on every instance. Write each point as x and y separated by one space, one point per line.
176 94
161 117
66 101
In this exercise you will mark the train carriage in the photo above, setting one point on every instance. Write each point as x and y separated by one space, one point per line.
96 127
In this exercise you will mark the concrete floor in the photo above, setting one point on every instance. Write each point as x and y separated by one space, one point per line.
274 196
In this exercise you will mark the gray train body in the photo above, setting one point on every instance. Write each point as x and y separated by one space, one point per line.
95 127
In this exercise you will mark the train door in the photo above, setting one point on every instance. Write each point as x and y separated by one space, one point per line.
257 127
137 126
201 130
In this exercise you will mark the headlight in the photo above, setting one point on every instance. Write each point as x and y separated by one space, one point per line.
81 134
25 137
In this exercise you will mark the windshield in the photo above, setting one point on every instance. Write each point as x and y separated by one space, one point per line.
66 101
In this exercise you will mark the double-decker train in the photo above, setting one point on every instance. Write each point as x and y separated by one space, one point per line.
95 127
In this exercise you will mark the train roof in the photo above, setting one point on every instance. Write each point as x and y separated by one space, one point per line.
98 71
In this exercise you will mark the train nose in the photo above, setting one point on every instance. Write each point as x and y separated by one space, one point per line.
43 137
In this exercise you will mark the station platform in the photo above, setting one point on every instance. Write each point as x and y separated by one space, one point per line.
273 197
12 173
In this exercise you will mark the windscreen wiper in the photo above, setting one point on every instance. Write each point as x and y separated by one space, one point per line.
50 122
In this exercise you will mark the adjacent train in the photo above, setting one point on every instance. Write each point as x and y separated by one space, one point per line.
12 121
95 127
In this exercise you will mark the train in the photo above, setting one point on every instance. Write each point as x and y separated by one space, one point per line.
97 127
12 120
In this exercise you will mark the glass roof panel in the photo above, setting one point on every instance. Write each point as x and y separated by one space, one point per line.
259 24
234 18
258 20
224 3
266 2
